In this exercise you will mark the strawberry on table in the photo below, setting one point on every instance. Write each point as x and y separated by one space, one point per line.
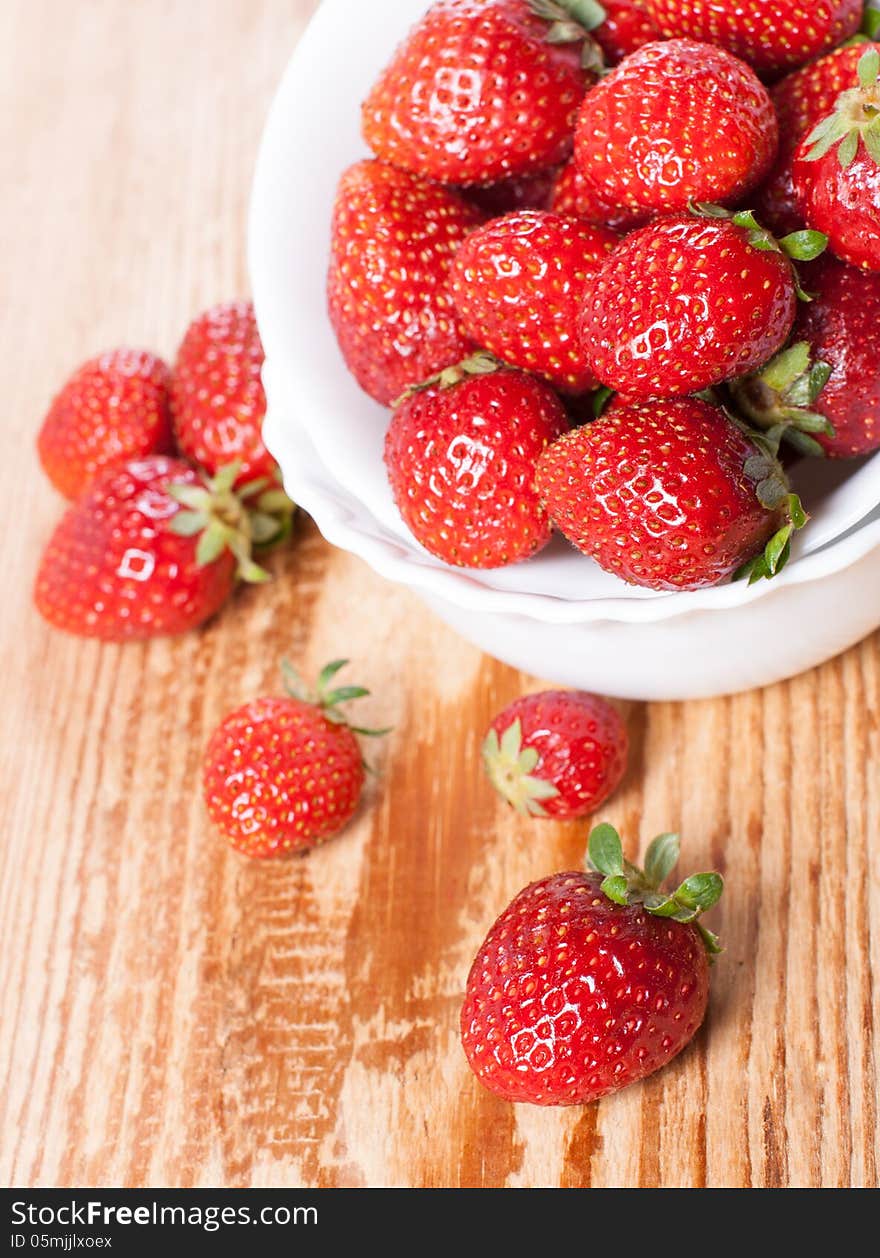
675 122
460 454
670 495
518 284
282 774
151 548
484 89
558 753
114 407
393 239
836 170
590 981
772 35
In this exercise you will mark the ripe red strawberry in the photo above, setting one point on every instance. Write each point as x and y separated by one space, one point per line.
217 394
771 37
483 89
677 121
282 774
518 284
559 753
393 239
836 170
627 27
575 197
587 983
520 192
126 561
114 407
802 99
460 454
823 392
671 495
689 301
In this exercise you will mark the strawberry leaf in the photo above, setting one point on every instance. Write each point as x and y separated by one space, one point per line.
606 851
661 858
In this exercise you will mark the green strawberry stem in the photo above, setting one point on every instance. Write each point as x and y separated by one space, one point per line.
509 766
482 363
778 399
570 22
871 22
327 696
856 116
625 883
799 246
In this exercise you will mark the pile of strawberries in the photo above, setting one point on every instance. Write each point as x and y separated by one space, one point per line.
559 270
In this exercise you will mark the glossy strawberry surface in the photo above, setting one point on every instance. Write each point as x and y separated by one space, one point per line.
114 407
658 494
575 197
627 27
842 202
685 303
393 239
772 35
675 122
476 93
461 464
571 997
518 283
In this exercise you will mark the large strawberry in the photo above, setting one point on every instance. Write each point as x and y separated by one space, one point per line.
151 548
575 197
114 407
393 239
823 392
627 27
588 982
518 284
772 36
483 89
670 495
675 122
836 170
689 301
460 453
802 99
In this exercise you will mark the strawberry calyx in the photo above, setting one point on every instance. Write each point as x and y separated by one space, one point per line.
778 399
798 246
856 116
510 768
570 22
482 363
257 516
326 696
870 22
625 883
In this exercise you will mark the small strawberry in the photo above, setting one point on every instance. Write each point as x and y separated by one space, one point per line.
217 393
127 560
676 122
575 197
691 300
822 393
772 37
518 284
836 170
282 774
393 239
484 89
460 453
670 495
591 981
113 408
802 99
559 753
627 27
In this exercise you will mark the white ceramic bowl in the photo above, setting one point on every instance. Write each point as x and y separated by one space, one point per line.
558 614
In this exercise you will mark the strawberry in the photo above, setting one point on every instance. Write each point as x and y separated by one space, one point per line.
802 99
460 453
127 561
560 753
575 197
771 37
520 192
691 300
823 392
518 284
484 89
672 496
836 170
282 774
627 27
392 243
217 393
114 407
590 981
676 121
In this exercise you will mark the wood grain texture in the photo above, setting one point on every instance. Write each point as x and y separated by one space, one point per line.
172 1014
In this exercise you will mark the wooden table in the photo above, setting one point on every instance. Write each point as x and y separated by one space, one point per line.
172 1014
